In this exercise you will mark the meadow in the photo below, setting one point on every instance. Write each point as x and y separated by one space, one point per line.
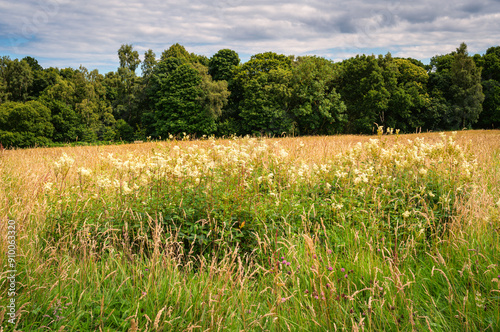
340 233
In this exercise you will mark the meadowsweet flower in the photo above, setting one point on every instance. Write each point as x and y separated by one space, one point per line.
84 172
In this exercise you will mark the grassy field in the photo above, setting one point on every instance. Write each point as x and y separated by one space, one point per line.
341 233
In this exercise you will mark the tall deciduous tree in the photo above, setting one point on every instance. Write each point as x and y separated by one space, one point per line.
25 124
149 63
186 98
467 92
317 108
18 78
222 64
129 58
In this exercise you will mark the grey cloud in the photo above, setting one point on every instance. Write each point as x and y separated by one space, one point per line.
91 32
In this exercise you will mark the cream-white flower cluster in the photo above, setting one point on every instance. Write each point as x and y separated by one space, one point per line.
416 157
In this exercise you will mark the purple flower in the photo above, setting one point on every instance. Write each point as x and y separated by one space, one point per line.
329 251
314 256
345 276
498 276
288 263
283 299
330 268
283 258
342 269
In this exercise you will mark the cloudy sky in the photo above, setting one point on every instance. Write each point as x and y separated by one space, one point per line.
70 33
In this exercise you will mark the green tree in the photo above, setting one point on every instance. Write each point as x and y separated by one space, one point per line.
149 63
25 124
187 100
261 94
265 107
409 104
4 96
176 51
490 116
222 64
467 92
18 78
491 64
129 58
316 106
362 85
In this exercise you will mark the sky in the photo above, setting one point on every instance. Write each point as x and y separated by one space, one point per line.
70 33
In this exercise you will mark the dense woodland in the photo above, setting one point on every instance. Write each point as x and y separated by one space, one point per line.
182 93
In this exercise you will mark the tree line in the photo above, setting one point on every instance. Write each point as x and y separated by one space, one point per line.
271 94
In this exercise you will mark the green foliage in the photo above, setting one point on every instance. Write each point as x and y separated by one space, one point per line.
129 59
25 124
178 107
18 77
222 65
467 92
176 51
266 103
149 63
316 106
239 235
124 131
269 94
490 116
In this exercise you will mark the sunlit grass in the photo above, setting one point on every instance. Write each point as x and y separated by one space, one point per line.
388 233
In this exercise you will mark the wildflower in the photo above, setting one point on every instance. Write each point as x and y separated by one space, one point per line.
329 251
342 269
406 214
283 299
345 276
330 268
84 172
48 186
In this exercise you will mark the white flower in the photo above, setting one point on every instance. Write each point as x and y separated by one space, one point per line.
48 186
406 214
422 171
84 171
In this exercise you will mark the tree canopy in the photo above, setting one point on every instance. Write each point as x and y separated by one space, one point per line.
271 94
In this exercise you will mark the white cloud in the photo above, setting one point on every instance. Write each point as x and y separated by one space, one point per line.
69 33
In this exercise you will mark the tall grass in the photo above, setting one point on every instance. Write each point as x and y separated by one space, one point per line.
393 233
